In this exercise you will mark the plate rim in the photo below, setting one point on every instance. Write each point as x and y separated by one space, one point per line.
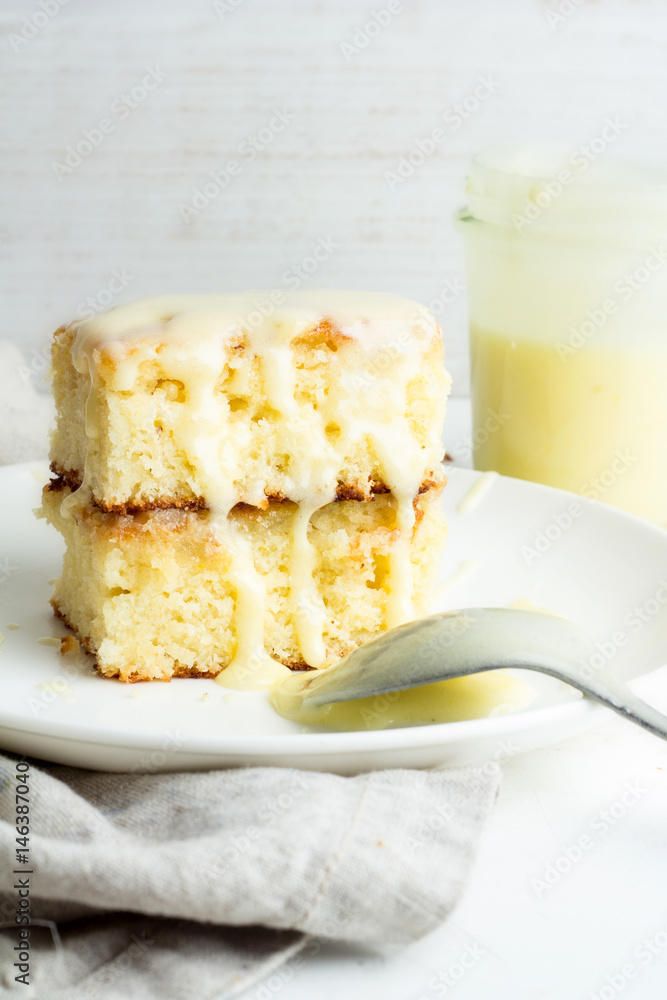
408 737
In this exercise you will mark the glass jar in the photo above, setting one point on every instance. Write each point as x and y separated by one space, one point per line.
566 260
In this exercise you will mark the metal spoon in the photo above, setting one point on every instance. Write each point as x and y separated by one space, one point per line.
458 643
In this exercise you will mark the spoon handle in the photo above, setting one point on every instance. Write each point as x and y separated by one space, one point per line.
617 695
470 641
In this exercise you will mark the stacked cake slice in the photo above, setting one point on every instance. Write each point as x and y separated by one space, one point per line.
245 482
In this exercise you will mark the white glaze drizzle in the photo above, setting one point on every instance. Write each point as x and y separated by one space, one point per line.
251 666
194 334
307 606
477 492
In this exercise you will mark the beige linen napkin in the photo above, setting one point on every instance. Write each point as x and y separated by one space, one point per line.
153 885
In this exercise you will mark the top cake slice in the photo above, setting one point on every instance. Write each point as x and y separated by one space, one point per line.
209 401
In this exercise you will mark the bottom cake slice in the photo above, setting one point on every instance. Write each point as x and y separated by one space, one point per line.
163 594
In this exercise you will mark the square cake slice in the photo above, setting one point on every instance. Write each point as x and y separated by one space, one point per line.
246 483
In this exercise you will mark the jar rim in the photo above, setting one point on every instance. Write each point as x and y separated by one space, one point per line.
546 187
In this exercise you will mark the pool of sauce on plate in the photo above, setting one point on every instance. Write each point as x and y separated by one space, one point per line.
495 692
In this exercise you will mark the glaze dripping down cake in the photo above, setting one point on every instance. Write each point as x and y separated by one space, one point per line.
244 488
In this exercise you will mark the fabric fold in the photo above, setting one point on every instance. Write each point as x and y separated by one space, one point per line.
201 859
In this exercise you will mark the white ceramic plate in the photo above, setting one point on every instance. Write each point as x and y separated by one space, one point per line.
603 570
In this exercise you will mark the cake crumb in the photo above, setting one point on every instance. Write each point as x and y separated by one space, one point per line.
49 640
69 645
12 626
205 697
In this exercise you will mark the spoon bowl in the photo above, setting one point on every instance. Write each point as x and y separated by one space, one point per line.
469 641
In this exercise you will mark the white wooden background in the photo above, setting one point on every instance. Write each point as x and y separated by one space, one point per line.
227 65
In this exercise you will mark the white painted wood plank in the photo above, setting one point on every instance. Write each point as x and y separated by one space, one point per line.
323 176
